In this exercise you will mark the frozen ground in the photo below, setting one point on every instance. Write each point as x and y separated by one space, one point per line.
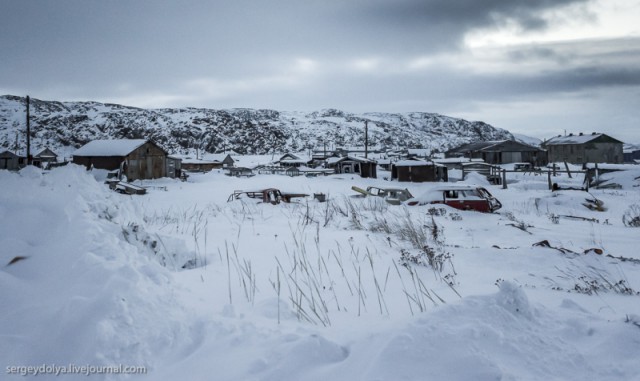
350 289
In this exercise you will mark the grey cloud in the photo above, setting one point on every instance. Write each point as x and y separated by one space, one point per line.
154 50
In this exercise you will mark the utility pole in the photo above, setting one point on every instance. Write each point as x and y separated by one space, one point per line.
28 135
366 138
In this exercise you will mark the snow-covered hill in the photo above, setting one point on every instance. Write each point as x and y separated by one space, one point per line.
246 131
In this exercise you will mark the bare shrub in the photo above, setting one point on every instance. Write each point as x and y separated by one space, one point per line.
631 217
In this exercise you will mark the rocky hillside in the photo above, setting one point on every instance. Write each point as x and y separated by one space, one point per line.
68 125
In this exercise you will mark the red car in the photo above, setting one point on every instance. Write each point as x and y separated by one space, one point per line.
463 197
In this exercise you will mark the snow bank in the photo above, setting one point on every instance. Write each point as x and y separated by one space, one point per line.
91 287
77 292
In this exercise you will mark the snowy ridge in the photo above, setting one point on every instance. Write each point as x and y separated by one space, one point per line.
246 131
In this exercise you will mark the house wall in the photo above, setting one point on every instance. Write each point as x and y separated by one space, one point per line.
146 162
174 166
228 161
368 170
9 161
101 162
416 174
200 167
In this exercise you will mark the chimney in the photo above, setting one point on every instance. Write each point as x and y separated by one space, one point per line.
594 133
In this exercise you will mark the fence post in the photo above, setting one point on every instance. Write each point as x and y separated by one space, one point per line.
504 179
549 178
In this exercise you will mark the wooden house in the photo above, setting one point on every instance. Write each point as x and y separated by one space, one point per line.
349 164
135 158
585 148
293 160
11 161
500 152
44 158
418 171
224 159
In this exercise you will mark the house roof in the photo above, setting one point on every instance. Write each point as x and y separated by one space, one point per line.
46 153
220 157
359 159
413 163
294 159
117 147
457 160
578 139
496 145
6 154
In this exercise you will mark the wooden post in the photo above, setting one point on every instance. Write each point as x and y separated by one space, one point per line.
366 138
549 176
28 135
568 171
504 179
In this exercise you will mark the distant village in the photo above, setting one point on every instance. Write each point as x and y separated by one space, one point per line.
136 159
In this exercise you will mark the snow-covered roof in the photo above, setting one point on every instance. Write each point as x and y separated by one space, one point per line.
116 147
573 139
411 163
335 159
457 160
218 157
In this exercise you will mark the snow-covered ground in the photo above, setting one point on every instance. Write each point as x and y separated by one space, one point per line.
193 287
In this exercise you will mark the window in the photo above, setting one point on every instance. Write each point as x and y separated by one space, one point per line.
451 194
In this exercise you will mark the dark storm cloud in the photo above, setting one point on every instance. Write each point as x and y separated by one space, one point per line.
446 22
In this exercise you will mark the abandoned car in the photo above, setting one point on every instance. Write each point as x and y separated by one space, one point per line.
271 195
394 196
460 197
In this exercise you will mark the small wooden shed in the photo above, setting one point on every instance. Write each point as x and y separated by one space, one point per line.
11 161
135 158
350 164
224 158
44 158
418 171
501 152
293 160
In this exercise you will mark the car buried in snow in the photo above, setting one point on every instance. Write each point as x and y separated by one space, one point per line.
463 197
269 195
393 196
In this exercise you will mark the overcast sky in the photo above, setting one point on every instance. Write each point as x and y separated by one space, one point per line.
536 67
